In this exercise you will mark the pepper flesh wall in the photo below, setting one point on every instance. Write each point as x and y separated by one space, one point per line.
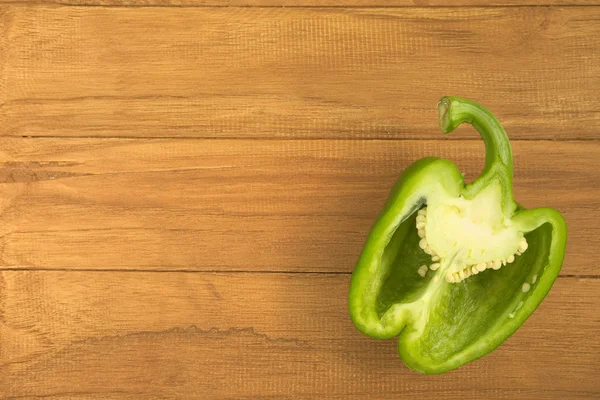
454 269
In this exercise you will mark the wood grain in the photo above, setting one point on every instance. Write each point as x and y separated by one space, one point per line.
247 336
310 3
184 189
251 205
295 73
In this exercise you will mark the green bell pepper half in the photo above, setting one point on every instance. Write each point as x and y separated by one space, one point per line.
454 269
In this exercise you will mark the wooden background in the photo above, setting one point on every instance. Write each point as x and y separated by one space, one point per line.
185 186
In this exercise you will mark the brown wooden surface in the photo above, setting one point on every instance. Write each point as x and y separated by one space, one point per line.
180 335
296 73
310 3
204 205
184 191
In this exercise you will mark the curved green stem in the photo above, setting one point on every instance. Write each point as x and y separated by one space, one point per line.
453 111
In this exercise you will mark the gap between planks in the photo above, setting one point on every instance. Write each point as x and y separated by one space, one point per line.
294 6
221 272
475 137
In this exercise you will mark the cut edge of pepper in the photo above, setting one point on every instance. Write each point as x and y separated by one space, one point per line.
503 329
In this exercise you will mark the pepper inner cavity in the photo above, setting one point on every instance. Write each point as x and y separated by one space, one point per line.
466 237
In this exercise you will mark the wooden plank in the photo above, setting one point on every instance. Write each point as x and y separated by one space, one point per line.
245 336
251 205
296 72
310 3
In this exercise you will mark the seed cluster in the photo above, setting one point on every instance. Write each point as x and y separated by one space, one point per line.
421 219
455 277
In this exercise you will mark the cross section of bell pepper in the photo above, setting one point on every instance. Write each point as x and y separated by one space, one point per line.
454 269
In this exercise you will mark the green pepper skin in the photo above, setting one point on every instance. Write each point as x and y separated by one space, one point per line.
442 326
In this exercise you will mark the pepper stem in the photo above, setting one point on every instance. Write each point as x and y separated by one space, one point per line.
453 111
